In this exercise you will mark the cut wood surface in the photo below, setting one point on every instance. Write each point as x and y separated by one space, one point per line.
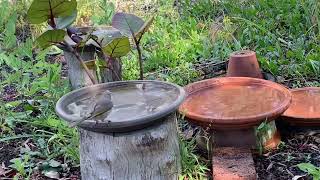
79 78
148 154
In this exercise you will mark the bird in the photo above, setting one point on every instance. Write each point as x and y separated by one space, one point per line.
100 104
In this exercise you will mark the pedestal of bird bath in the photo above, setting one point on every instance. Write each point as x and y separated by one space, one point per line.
232 108
136 139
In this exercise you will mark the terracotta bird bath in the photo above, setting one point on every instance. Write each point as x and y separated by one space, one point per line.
231 108
230 104
305 107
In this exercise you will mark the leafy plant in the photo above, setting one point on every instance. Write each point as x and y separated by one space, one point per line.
134 27
310 169
191 167
108 10
54 12
109 41
20 164
262 132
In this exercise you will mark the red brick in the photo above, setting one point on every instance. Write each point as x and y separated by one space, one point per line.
231 163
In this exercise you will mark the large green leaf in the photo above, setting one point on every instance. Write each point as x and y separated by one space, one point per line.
144 29
43 10
111 41
104 35
50 37
128 24
64 22
117 47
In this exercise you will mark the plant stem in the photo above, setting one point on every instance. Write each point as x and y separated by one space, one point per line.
109 62
140 61
78 57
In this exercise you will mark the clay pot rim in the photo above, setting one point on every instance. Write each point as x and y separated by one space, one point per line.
241 121
242 53
301 119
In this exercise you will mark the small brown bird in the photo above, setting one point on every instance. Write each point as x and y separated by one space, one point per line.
100 104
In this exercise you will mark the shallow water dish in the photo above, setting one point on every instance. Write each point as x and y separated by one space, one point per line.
305 107
136 104
234 102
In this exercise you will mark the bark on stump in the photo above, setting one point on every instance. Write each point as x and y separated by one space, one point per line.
149 153
78 76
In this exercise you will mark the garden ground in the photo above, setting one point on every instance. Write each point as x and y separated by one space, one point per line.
189 41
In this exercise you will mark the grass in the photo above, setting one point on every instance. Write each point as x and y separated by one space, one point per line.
285 35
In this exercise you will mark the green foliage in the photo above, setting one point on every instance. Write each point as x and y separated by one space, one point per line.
262 132
39 85
128 24
7 27
177 47
285 34
107 11
310 169
112 42
117 47
134 27
21 164
64 22
41 11
50 37
200 10
191 167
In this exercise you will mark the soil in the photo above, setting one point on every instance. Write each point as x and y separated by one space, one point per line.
9 93
299 146
8 151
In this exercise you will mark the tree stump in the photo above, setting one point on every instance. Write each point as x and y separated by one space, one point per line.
78 76
149 153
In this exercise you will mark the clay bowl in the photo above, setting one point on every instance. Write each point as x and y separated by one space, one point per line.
305 107
234 102
244 64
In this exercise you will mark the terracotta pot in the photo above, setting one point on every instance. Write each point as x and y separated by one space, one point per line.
244 64
234 102
305 107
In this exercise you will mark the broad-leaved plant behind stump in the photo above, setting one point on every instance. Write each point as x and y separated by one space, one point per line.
112 42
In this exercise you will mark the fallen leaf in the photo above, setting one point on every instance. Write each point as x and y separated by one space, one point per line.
4 170
53 163
52 174
297 177
269 166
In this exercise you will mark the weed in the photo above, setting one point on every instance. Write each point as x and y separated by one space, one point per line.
310 169
107 9
191 166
